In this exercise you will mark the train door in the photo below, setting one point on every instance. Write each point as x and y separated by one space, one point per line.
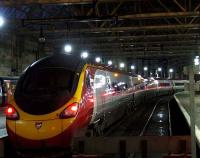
99 91
86 106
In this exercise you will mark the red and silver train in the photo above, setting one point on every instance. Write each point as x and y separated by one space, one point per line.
59 97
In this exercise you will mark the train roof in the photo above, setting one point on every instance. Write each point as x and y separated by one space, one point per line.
71 62
108 68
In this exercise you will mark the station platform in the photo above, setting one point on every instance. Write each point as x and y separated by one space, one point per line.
183 100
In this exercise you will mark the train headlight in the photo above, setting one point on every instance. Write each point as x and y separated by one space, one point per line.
11 113
70 111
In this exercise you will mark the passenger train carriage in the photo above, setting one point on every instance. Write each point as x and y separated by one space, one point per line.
59 96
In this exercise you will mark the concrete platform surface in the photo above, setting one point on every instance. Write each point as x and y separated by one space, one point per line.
182 99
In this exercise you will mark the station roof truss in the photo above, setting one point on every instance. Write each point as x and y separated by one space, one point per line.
109 28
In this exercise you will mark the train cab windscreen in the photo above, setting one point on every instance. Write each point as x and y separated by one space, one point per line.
48 81
43 90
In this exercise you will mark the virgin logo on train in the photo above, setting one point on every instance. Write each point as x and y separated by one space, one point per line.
38 125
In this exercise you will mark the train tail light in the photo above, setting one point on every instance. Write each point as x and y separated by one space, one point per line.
70 111
11 113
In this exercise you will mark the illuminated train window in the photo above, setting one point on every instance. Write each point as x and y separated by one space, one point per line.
88 80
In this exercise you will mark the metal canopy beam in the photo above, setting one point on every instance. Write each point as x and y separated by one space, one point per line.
166 8
179 5
113 12
196 8
194 36
29 2
133 16
95 48
158 54
120 29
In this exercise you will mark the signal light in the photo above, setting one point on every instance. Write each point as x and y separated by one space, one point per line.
11 113
70 111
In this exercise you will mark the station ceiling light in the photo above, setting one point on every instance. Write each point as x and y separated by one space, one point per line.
1 21
196 60
68 48
159 69
98 59
109 62
84 54
132 67
171 70
121 65
145 68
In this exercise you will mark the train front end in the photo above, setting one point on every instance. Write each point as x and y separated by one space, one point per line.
44 113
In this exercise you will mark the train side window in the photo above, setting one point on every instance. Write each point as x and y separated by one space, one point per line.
108 84
120 86
1 96
115 86
123 86
88 80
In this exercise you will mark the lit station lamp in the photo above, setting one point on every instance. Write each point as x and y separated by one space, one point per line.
98 59
145 68
132 67
2 21
109 62
171 73
196 60
160 72
121 65
84 54
145 71
171 70
68 48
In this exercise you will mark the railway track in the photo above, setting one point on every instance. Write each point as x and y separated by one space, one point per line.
150 119
159 122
